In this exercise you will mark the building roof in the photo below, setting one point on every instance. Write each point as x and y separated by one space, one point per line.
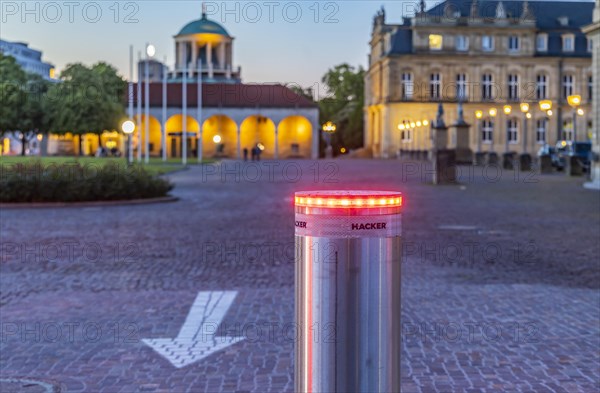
227 95
547 15
203 25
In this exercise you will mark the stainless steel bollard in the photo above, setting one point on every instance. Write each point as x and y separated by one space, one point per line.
348 247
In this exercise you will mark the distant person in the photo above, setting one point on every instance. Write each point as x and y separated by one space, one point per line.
258 151
254 153
245 154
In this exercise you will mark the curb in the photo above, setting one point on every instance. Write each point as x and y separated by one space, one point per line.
42 205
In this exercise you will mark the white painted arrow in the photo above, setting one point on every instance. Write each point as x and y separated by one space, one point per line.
196 339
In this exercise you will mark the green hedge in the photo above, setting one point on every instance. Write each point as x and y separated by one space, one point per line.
75 182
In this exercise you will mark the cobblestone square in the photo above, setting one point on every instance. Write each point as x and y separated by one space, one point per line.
499 284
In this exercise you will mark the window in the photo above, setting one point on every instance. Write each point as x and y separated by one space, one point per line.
487 43
435 86
542 42
513 43
567 87
590 88
590 45
486 87
462 43
512 130
541 88
406 134
540 130
435 42
513 87
461 86
568 41
487 129
567 133
407 86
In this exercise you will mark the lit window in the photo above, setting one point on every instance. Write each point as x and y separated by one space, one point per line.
487 43
568 41
462 43
512 130
435 42
542 42
513 43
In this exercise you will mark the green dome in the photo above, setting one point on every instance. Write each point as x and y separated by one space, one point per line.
203 25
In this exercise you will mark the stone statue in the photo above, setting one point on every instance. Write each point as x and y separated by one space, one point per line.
439 119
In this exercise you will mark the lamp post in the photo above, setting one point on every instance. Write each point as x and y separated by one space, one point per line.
507 111
478 116
128 127
150 52
525 109
574 101
329 128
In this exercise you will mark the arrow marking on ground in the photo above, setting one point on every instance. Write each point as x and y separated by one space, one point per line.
196 339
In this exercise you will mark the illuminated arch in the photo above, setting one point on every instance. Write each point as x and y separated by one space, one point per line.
155 133
258 129
174 129
226 129
294 134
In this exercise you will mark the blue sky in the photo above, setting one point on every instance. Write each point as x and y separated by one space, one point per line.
286 42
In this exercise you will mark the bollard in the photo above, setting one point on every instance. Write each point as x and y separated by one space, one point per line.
348 246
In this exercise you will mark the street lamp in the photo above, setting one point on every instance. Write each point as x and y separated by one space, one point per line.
545 105
150 52
507 109
493 112
329 128
478 116
128 127
525 109
574 101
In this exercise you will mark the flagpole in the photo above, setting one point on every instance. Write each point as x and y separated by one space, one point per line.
199 113
139 110
130 102
164 111
147 108
184 109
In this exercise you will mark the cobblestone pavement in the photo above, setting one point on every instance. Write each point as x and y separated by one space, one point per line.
500 282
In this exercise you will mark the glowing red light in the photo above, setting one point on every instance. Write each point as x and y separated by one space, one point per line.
349 199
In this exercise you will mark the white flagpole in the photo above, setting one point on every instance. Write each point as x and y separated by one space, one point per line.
199 113
184 109
130 102
147 109
139 110
164 112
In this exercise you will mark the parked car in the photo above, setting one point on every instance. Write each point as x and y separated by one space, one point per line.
581 150
550 151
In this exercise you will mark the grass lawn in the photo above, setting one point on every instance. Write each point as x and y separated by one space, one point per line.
156 165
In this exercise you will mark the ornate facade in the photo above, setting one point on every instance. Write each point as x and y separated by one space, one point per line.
491 55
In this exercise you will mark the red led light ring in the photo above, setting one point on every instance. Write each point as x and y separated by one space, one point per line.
348 199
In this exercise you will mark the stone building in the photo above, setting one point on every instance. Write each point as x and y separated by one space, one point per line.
593 33
491 55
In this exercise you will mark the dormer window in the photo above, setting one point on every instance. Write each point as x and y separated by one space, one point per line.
435 41
542 42
568 43
563 21
513 43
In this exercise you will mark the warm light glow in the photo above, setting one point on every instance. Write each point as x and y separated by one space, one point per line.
563 143
343 150
128 127
425 122
412 124
52 73
435 41
260 146
528 115
524 107
217 138
418 123
150 50
549 112
580 112
351 201
40 137
479 114
574 100
401 126
493 112
329 127
545 105
507 109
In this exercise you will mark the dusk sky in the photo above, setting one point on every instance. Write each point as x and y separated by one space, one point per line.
274 41
269 49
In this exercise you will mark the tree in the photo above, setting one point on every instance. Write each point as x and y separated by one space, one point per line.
89 100
344 105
